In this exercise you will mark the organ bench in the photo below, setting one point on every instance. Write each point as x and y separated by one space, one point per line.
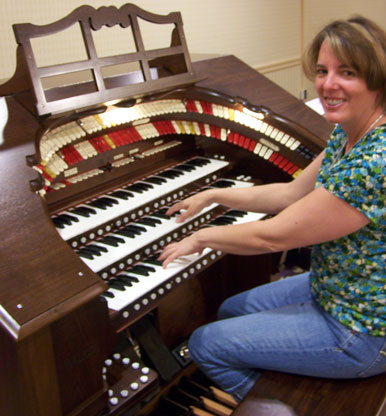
308 396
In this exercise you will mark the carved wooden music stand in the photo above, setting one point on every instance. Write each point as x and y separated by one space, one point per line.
172 64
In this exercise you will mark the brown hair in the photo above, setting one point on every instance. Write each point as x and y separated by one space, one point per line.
357 42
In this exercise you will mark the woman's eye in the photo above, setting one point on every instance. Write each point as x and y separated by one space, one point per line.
349 73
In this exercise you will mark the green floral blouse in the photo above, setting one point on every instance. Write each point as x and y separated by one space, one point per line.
348 275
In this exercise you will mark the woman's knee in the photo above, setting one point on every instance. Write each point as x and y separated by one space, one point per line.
233 306
196 343
206 341
225 310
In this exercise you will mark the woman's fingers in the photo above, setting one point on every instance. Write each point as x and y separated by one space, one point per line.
175 250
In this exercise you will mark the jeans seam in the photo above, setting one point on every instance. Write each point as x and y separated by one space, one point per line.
346 342
243 383
381 354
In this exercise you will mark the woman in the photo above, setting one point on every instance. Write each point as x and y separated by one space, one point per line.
330 322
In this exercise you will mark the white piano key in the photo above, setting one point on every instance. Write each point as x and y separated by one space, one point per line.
152 234
115 254
147 284
85 224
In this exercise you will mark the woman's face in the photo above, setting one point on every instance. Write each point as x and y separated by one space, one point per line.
343 93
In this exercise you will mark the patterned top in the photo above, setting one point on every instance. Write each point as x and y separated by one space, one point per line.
348 275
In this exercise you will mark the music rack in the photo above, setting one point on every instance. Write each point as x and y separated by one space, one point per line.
160 69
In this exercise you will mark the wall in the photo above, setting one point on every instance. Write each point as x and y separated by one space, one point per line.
317 13
267 34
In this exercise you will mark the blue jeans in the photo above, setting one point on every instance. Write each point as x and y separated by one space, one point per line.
279 326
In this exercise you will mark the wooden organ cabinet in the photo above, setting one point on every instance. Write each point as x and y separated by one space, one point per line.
90 323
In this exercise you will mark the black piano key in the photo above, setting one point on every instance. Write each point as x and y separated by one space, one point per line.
58 223
80 212
85 254
69 217
149 221
91 251
127 281
140 187
108 201
116 238
166 175
135 188
186 167
171 174
97 248
153 260
115 284
223 183
140 271
146 268
229 219
137 229
108 294
61 219
236 213
163 210
175 214
192 164
83 211
176 172
160 214
97 204
122 195
146 186
112 241
199 161
125 233
133 279
154 220
223 221
156 180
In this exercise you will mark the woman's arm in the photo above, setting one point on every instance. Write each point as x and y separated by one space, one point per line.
269 199
317 217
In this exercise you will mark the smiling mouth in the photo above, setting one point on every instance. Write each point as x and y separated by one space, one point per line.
334 102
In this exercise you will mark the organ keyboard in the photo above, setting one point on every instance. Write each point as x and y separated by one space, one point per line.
87 173
154 191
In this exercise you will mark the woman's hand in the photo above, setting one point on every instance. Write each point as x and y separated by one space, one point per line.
190 206
171 252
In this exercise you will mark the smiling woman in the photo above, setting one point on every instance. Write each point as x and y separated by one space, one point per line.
330 322
347 61
345 96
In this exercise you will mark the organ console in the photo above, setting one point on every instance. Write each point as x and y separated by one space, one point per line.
90 322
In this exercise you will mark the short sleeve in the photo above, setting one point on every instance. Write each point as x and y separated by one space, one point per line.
359 177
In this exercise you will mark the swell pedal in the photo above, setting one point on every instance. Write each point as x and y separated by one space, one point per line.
154 349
